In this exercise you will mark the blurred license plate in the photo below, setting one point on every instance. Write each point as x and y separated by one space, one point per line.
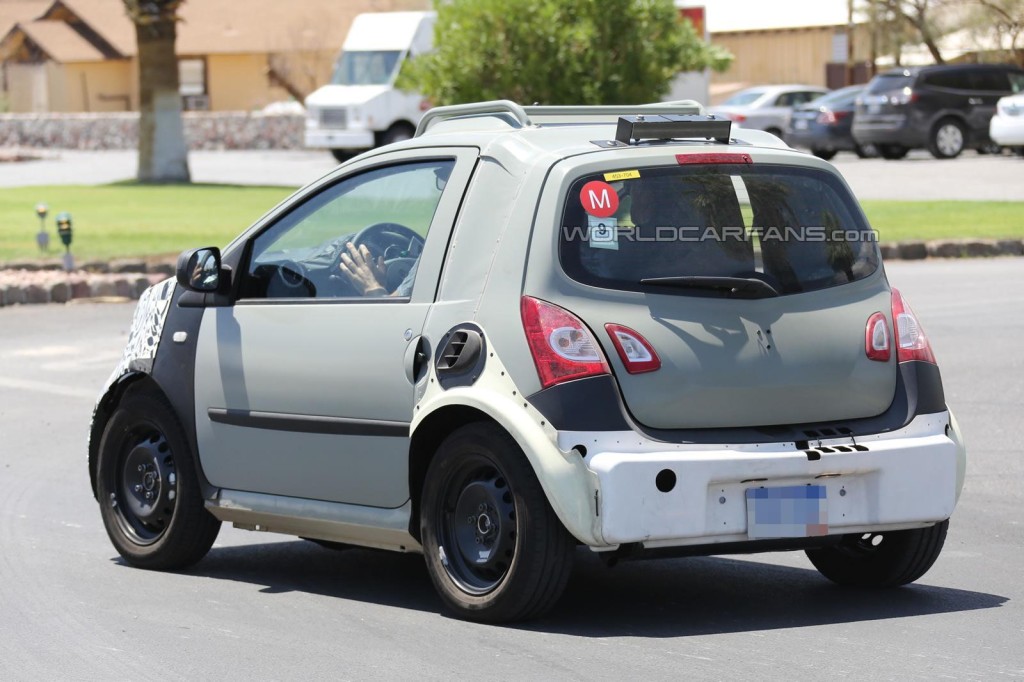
797 511
874 108
800 124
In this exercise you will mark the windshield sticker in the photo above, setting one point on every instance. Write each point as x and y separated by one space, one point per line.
599 199
604 233
622 175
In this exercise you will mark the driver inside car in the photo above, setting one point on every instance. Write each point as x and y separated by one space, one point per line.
368 275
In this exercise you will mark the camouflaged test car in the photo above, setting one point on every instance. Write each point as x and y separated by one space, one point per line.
528 330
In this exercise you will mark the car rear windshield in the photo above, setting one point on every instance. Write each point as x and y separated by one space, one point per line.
795 229
884 85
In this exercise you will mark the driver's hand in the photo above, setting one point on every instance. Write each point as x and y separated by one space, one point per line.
364 272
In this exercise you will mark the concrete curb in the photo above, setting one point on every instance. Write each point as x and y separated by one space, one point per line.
44 281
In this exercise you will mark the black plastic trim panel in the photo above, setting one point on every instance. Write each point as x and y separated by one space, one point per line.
595 404
308 423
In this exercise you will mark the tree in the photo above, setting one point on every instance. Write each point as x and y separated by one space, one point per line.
919 15
163 154
1001 22
558 52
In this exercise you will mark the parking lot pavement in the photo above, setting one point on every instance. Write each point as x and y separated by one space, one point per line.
918 177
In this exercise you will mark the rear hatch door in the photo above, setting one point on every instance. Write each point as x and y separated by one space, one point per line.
753 283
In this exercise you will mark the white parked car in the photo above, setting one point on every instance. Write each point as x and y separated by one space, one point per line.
766 107
1007 127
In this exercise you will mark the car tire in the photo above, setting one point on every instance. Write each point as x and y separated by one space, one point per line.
342 155
494 548
881 559
396 133
947 139
825 154
867 151
774 131
892 152
146 483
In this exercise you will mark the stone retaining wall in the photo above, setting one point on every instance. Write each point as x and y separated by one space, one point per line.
203 130
45 282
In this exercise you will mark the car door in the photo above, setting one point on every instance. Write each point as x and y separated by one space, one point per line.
304 387
987 86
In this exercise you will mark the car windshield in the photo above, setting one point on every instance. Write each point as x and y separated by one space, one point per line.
745 97
796 229
365 68
885 84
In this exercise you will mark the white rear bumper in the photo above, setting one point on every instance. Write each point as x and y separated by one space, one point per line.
902 479
1007 130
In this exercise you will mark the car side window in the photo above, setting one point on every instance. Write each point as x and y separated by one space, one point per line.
360 237
990 81
785 100
953 80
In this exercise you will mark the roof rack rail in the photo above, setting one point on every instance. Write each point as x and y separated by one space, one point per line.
609 113
522 117
501 107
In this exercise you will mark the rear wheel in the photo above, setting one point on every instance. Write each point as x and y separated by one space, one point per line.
146 483
866 151
774 131
826 154
892 152
881 559
494 548
947 139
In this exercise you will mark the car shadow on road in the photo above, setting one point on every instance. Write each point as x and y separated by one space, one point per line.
663 598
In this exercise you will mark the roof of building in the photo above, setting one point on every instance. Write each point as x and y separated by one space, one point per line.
257 26
17 11
61 42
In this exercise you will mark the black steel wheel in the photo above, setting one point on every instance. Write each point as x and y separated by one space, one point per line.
494 548
887 559
146 485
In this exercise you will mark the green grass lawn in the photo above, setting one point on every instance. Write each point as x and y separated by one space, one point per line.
906 220
127 219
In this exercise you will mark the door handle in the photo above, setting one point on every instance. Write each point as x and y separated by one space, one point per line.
975 100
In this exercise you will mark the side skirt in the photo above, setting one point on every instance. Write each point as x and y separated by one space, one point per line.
346 523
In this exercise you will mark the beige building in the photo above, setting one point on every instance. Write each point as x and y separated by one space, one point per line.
80 56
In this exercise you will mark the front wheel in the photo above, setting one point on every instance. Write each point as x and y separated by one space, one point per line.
494 548
881 559
147 487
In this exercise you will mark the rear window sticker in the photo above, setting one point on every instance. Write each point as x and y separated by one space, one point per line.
599 199
603 233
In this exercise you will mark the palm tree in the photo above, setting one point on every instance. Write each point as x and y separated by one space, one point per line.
163 154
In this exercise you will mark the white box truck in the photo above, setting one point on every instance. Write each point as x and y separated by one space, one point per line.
361 108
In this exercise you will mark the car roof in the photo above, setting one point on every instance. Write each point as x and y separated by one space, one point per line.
914 70
524 137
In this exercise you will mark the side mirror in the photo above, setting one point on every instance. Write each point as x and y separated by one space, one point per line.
200 270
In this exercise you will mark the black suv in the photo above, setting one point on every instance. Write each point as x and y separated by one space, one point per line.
944 108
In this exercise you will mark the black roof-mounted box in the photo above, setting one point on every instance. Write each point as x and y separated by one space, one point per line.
669 126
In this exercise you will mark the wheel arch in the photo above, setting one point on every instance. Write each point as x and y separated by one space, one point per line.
567 482
105 407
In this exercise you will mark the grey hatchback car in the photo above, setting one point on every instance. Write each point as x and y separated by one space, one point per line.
528 332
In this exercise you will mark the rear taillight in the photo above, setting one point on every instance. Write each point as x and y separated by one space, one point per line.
562 347
634 350
911 342
877 342
729 157
906 96
829 118
736 118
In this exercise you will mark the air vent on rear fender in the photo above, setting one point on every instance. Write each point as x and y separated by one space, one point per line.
461 357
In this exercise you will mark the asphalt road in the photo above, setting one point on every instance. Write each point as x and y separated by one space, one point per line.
272 607
971 177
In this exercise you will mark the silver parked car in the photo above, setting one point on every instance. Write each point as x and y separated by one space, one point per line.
766 107
528 332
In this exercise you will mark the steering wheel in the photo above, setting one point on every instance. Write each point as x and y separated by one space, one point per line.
401 247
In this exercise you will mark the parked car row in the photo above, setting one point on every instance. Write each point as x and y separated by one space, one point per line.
945 109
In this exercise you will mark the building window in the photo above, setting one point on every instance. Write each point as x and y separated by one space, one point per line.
192 84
